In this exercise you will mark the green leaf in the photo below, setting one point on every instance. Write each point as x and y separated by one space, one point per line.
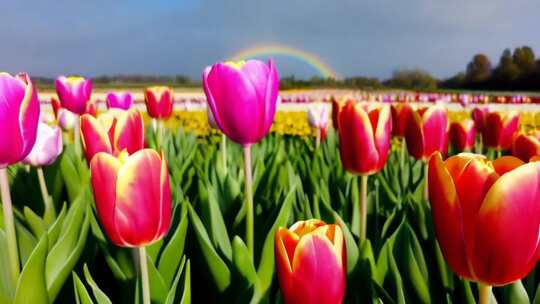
158 289
186 296
266 265
173 251
100 296
81 294
32 286
66 252
350 243
172 291
35 223
243 263
515 293
217 267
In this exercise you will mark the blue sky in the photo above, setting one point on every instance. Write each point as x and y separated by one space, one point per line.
355 37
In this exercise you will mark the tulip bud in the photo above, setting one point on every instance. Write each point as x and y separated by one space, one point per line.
364 137
462 134
525 146
159 102
67 119
242 96
122 100
318 116
427 132
19 114
47 148
133 196
74 93
311 262
486 215
500 128
113 132
400 113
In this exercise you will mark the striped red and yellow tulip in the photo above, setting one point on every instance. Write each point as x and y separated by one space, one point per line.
311 262
462 134
159 101
364 137
427 131
133 196
114 131
485 215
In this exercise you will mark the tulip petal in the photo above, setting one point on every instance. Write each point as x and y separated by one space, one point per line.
129 132
165 199
138 198
435 126
12 92
414 135
94 137
104 168
507 229
447 216
382 135
506 164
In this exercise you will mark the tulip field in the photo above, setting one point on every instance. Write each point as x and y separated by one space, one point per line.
364 197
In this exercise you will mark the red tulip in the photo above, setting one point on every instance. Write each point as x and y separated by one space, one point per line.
311 263
486 215
462 134
336 108
56 106
133 196
159 102
19 114
427 132
74 93
525 146
479 116
400 113
364 137
500 128
113 132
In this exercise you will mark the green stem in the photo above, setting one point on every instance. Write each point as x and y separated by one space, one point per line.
318 138
426 186
224 151
160 134
77 137
480 146
403 153
484 293
249 199
363 207
499 153
144 275
49 208
9 223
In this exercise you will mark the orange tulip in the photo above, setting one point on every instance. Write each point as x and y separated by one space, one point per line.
400 113
525 146
112 132
462 134
311 262
427 132
500 128
486 215
364 136
133 196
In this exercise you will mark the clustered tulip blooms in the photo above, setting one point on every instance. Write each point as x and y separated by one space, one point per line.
486 215
74 93
311 262
112 132
159 102
525 146
242 96
19 114
133 196
462 134
499 129
119 100
427 132
47 148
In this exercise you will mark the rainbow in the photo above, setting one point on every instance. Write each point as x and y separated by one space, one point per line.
264 50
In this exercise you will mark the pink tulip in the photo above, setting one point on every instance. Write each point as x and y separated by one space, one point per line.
159 102
19 114
122 100
242 96
67 119
74 93
47 148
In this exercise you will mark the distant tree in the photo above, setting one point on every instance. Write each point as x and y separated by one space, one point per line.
507 71
524 58
412 79
455 82
478 70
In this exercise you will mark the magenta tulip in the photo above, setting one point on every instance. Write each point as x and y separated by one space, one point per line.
74 93
242 96
119 100
19 114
